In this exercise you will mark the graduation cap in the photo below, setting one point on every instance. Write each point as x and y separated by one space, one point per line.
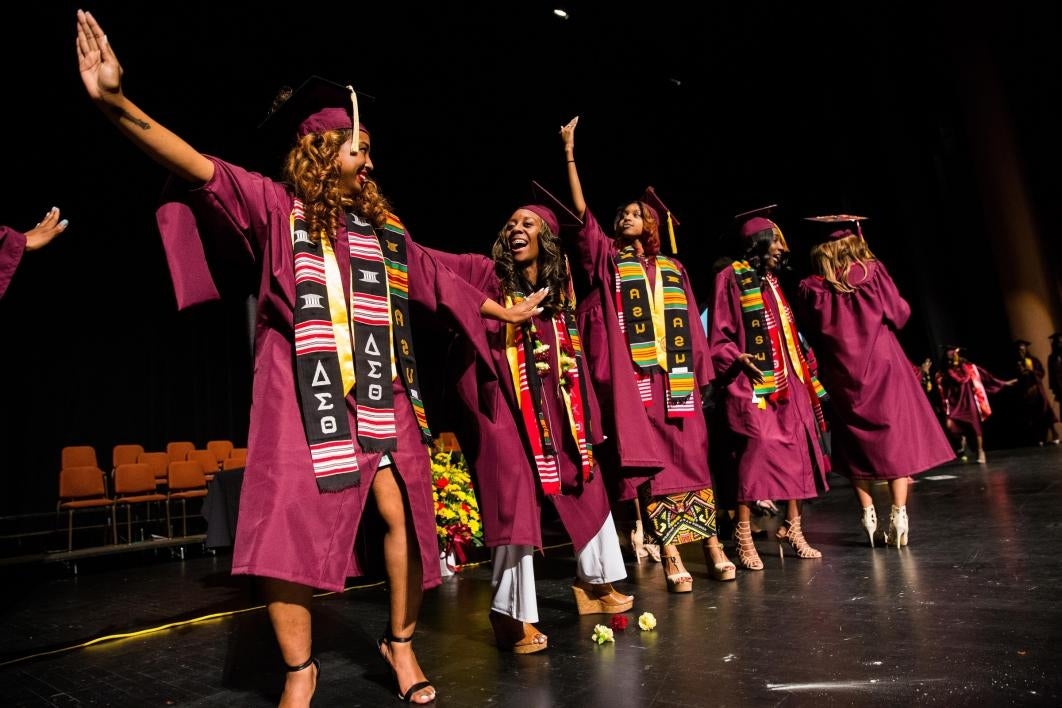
555 206
834 228
651 198
317 106
755 221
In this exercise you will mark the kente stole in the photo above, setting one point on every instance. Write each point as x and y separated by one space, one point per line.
565 364
764 339
327 367
657 328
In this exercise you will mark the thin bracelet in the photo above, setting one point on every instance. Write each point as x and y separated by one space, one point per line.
571 160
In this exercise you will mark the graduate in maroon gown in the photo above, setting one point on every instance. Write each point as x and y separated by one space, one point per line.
650 366
883 427
529 431
964 388
1038 417
772 400
332 423
14 243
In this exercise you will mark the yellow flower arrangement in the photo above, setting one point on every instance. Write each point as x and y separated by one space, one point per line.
457 520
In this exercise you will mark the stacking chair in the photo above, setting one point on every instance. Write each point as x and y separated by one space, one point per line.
79 456
186 481
83 488
220 448
159 463
239 454
206 459
178 451
233 463
134 483
125 454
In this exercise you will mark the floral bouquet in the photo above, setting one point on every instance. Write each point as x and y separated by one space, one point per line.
457 520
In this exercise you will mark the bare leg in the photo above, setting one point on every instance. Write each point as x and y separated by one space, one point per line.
980 449
792 510
405 578
862 492
289 611
898 490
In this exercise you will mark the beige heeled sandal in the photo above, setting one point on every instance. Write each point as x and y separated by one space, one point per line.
791 532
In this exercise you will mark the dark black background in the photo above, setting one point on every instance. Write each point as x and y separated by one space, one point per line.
873 108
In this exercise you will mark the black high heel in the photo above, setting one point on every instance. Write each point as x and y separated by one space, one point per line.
406 697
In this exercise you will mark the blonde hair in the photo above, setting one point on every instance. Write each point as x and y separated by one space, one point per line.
312 168
833 260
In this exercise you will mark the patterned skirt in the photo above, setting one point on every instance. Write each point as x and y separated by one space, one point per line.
680 518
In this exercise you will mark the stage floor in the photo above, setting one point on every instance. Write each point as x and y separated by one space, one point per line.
968 614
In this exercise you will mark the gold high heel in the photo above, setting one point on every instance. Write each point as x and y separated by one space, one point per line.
870 523
600 599
898 526
790 531
747 557
721 570
680 580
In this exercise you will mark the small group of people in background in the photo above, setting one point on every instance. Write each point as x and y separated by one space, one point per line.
592 402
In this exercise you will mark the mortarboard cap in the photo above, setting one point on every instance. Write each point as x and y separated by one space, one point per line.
754 221
652 199
317 106
835 225
555 206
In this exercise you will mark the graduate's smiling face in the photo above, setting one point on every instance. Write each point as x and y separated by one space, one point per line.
354 169
521 233
775 251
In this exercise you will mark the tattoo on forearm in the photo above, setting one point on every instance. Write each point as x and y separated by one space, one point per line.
139 123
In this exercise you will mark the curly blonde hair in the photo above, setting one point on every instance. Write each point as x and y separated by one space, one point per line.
312 169
833 260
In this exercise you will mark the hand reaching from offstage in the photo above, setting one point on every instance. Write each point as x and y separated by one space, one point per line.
518 312
48 228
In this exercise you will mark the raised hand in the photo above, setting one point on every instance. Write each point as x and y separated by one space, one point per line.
48 228
567 133
99 67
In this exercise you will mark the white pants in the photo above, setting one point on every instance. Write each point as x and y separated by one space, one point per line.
600 561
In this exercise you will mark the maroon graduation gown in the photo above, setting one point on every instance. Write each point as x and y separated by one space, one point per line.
780 456
287 529
12 246
671 453
960 401
884 427
492 432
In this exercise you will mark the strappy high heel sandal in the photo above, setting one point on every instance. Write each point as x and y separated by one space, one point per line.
869 523
679 579
899 526
600 599
790 532
719 566
417 687
747 557
640 547
312 661
518 637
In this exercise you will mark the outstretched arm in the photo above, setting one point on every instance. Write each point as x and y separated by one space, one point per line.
568 137
102 76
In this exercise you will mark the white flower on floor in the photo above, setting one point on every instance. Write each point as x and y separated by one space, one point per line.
602 634
646 622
